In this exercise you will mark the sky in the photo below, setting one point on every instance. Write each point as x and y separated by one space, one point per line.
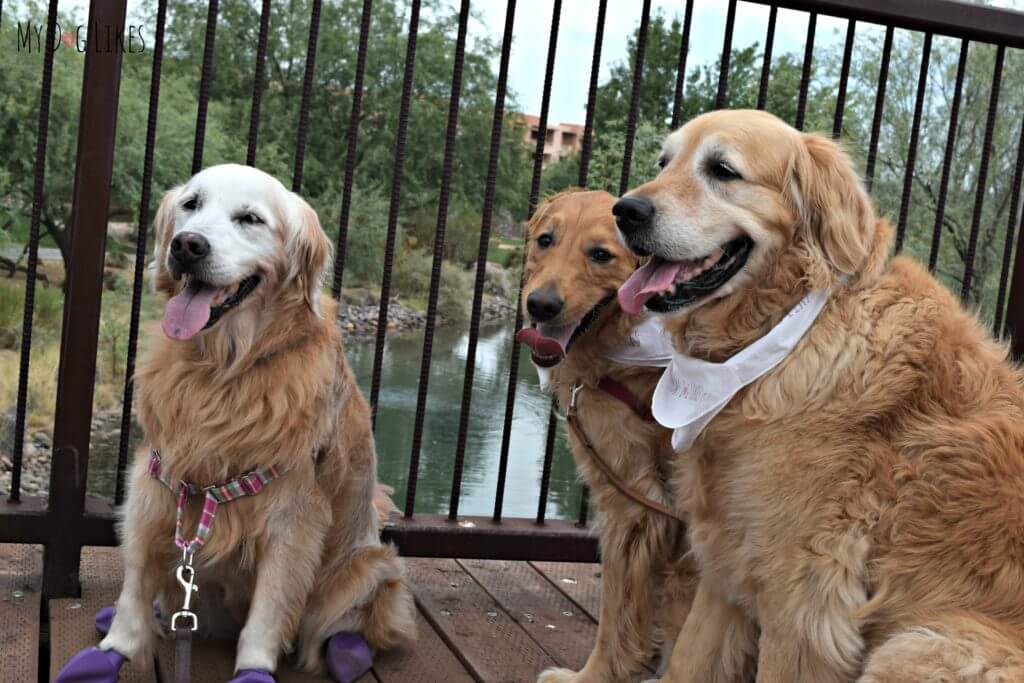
576 40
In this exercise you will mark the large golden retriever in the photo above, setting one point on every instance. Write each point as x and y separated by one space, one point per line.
858 512
575 262
250 373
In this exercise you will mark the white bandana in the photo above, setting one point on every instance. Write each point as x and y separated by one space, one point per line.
648 346
692 391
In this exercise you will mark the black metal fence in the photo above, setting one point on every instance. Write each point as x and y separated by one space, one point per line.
70 519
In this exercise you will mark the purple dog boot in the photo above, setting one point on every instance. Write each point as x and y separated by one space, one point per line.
92 665
105 617
348 656
252 676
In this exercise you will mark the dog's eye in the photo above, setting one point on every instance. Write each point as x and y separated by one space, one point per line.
545 240
598 255
723 171
662 162
250 219
191 204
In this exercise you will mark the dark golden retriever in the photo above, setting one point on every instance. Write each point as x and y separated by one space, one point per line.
575 261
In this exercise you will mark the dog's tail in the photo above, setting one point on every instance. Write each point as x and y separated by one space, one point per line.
382 502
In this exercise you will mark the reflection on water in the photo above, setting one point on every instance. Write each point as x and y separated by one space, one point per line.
399 387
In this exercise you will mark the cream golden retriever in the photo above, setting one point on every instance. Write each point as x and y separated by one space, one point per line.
575 262
250 374
858 512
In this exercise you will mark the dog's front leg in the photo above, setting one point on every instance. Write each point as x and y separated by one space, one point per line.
633 552
285 571
148 520
787 657
716 644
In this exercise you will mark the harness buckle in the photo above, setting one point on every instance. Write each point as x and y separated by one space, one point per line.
186 575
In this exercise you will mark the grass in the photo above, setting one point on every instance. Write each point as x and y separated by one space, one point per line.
44 358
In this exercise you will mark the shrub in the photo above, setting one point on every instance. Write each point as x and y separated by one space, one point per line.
411 281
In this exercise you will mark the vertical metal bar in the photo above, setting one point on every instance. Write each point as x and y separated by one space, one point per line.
588 127
538 167
876 124
584 506
140 251
634 99
352 135
1011 224
915 131
497 124
722 99
585 151
94 165
947 159
307 96
684 49
979 200
766 60
805 74
396 191
1015 305
38 186
549 456
844 78
438 262
257 84
204 86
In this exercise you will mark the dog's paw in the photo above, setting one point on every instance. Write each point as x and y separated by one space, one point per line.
558 676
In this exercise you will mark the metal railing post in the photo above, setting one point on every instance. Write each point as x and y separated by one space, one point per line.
84 287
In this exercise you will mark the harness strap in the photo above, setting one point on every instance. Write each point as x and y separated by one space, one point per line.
606 469
620 391
248 484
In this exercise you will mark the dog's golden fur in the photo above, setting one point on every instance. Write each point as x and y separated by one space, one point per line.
636 543
267 385
861 506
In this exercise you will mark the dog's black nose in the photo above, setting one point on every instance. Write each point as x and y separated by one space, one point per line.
544 304
188 249
632 213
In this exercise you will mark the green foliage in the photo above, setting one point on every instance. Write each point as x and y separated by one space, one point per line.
411 282
367 233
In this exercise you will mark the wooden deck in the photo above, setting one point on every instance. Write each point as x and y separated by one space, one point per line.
480 620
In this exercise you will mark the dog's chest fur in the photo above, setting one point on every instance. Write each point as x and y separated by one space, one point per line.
209 428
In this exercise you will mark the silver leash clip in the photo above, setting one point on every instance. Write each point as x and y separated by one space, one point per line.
571 410
186 577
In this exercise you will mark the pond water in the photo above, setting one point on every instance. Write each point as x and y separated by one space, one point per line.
396 414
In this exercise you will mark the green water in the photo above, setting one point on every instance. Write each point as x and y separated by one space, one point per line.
396 414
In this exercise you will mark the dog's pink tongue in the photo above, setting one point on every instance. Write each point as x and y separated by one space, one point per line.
547 340
654 277
188 312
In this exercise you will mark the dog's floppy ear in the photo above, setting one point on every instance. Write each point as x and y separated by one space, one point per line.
832 203
311 252
163 228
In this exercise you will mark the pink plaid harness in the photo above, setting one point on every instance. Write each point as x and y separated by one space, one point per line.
248 484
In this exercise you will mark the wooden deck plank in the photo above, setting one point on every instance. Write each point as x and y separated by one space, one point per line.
429 660
72 620
581 582
213 661
21 576
560 627
494 647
